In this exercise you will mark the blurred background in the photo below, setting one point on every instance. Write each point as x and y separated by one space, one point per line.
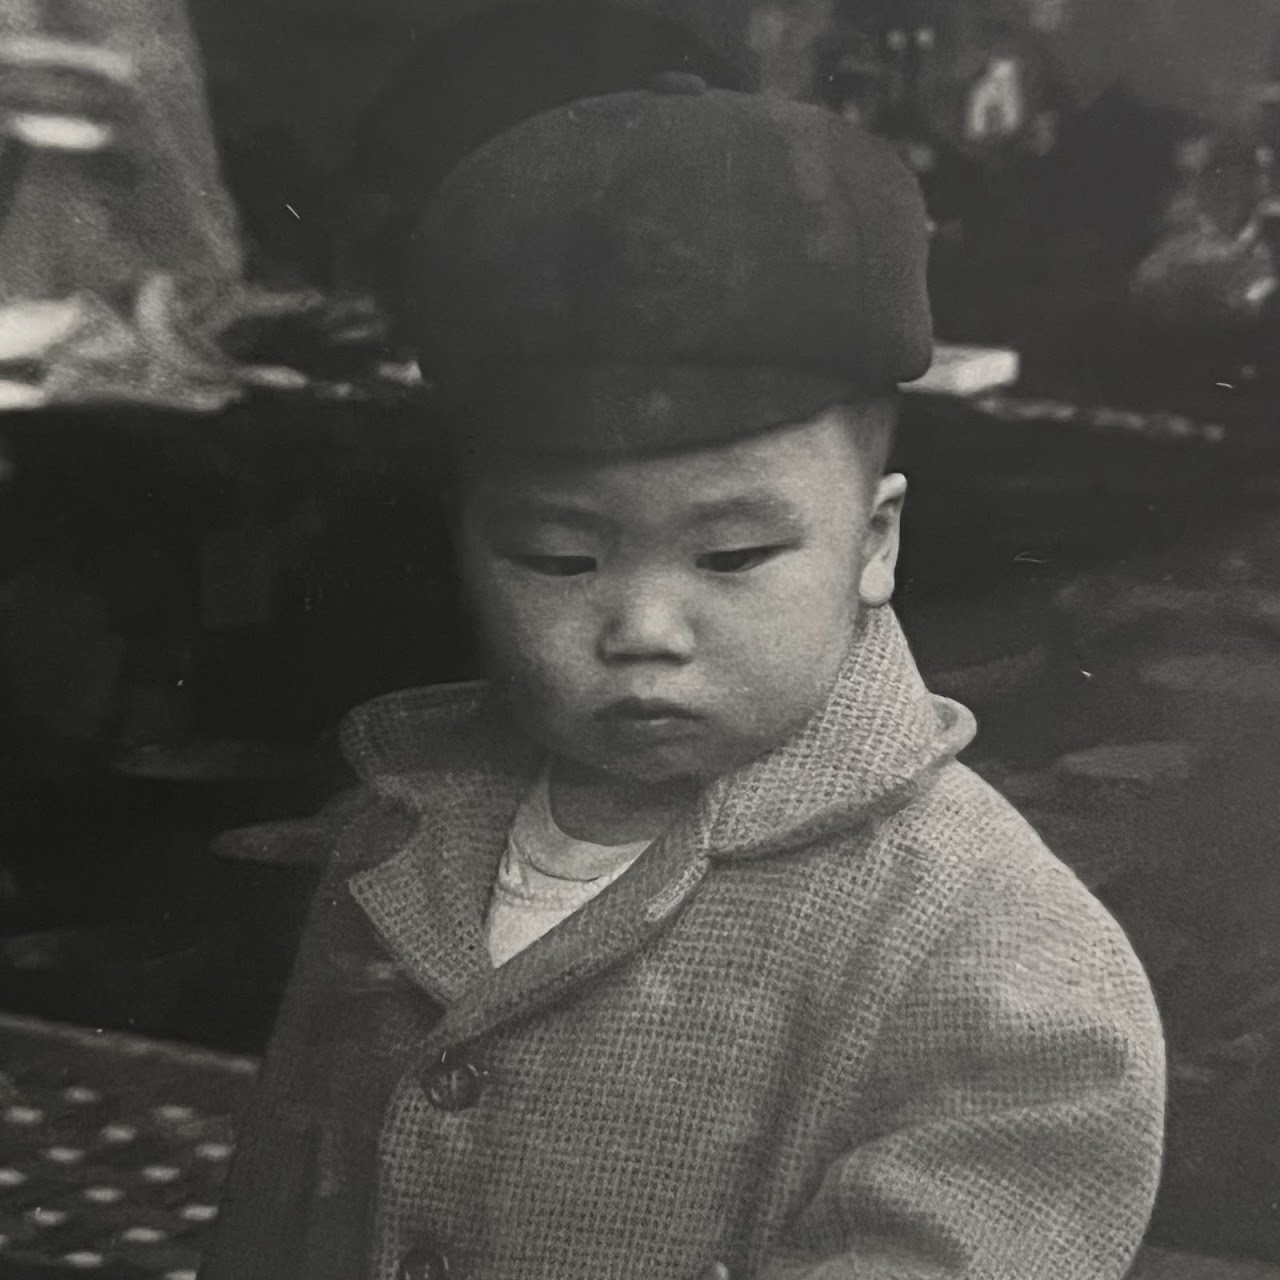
217 529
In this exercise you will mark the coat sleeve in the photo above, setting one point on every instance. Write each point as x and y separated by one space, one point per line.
295 1204
1018 1103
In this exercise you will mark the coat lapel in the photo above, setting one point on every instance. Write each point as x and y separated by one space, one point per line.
428 904
464 774
611 927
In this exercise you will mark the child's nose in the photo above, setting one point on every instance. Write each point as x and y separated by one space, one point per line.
645 619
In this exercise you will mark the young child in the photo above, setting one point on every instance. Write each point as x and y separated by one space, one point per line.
685 946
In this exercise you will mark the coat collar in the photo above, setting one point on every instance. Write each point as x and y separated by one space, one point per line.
879 738
448 754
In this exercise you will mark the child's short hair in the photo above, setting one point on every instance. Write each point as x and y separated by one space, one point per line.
873 426
463 452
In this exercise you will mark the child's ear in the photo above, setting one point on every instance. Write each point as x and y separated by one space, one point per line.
880 546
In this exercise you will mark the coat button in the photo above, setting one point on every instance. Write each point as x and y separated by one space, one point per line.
423 1263
454 1086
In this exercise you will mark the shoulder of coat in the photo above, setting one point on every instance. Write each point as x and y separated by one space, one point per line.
958 831
411 731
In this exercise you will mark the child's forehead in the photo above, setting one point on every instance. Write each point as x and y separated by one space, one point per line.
694 505
766 477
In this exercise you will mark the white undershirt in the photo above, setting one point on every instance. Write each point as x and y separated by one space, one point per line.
546 875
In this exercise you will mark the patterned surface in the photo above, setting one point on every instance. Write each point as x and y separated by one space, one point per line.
113 1149
121 1220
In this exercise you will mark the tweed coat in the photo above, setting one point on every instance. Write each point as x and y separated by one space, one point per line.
849 1020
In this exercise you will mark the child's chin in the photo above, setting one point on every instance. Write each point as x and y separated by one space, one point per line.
676 764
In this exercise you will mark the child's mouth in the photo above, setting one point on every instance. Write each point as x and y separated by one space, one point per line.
645 709
649 718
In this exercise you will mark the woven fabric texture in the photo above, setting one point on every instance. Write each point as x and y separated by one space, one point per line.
851 1020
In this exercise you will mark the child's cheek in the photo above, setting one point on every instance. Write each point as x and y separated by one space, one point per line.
544 631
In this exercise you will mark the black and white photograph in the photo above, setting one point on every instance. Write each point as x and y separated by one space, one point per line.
640 639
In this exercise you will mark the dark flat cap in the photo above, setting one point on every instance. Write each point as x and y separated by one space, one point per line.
667 268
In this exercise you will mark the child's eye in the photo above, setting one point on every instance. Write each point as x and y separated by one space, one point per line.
557 566
737 561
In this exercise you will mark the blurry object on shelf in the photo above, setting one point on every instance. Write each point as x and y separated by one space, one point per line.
874 74
997 104
63 94
1048 16
108 150
149 355
28 331
308 333
120 262
968 81
1211 267
179 350
959 370
1149 424
854 81
971 104
20 395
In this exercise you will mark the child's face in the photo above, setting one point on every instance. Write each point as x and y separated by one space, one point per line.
673 617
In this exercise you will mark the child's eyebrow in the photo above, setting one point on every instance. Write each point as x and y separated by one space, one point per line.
766 509
536 511
747 508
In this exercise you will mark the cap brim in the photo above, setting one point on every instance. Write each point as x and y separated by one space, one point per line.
612 410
